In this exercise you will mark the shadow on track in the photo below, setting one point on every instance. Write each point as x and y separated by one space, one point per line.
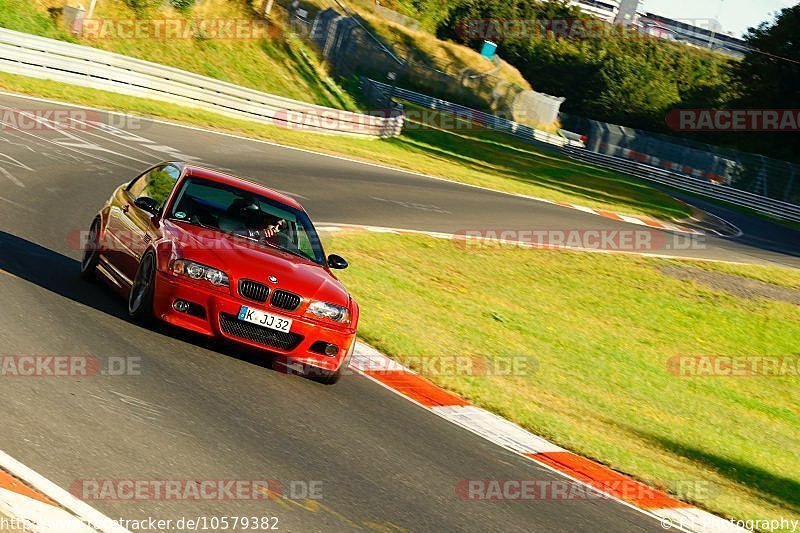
778 490
54 272
60 274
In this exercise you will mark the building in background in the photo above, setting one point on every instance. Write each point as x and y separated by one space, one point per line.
626 12
704 33
606 10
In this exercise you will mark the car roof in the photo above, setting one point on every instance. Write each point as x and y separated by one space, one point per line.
210 174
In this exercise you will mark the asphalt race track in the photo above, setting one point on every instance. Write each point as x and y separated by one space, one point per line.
200 413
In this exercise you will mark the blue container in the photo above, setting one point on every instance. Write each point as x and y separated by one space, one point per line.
489 49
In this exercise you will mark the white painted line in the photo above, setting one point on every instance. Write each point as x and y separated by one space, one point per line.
324 226
17 204
376 229
365 358
584 209
632 220
39 516
496 429
80 509
11 177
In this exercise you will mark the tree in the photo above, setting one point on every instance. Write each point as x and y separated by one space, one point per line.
769 77
770 74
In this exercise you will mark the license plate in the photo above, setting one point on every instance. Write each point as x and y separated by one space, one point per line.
264 319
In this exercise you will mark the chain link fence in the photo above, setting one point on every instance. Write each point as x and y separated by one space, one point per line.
772 178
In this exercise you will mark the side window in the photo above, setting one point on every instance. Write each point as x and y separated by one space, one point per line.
156 184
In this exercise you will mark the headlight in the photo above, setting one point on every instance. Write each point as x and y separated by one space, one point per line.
334 312
193 270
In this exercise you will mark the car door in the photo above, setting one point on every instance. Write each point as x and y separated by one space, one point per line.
134 227
118 231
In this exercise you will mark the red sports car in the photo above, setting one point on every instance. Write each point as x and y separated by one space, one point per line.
225 257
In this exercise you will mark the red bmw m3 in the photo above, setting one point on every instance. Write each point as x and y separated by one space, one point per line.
225 257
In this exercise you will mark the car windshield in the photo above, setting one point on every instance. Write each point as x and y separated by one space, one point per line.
242 213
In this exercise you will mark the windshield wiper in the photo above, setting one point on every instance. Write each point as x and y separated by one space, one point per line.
191 223
286 250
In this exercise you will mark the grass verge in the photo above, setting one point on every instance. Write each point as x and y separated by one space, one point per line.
602 329
476 157
273 61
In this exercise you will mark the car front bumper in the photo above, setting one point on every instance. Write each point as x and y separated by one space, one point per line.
219 319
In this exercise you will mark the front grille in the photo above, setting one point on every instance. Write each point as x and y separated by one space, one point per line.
253 290
285 300
244 330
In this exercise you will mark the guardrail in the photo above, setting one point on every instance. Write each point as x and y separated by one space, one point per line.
40 57
525 133
762 204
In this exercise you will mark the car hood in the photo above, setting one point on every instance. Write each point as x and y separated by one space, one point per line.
241 258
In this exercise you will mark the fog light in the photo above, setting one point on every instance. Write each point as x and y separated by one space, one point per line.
324 348
181 306
331 350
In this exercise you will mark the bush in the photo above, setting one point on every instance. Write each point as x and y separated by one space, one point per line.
182 5
140 6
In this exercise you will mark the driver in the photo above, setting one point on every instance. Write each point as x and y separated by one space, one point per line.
273 229
258 224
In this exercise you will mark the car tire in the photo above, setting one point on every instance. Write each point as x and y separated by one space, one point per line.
91 253
140 301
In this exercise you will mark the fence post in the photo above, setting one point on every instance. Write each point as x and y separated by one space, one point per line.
787 193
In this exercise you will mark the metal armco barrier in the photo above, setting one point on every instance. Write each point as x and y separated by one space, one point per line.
704 187
40 57
494 122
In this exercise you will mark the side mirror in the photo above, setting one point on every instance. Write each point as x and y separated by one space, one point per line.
146 204
337 262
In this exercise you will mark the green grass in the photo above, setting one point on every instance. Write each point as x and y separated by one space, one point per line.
602 328
479 157
282 64
22 15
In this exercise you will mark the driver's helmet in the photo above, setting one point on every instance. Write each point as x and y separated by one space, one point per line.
247 209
